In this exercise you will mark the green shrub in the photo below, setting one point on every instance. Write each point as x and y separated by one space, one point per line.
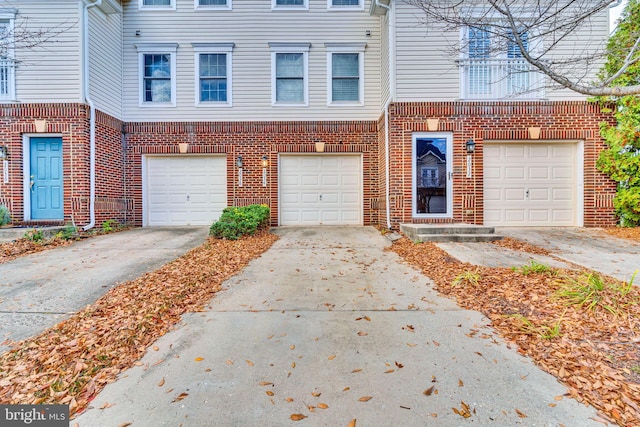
5 217
34 235
109 225
68 232
236 222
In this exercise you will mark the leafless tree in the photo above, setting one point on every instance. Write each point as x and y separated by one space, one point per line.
545 34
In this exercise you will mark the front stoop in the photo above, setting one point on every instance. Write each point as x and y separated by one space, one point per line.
449 233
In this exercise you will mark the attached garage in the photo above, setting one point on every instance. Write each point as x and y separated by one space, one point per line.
184 190
320 189
532 184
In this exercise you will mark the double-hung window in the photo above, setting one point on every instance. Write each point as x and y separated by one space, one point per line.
494 67
345 73
345 4
157 4
213 73
157 73
290 4
212 4
7 61
290 73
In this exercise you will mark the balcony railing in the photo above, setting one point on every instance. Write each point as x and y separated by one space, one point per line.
7 79
499 79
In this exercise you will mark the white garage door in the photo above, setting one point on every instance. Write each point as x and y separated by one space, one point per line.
530 184
320 190
185 190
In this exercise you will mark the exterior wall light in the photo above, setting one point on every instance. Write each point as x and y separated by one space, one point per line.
471 146
4 152
239 165
265 164
239 161
265 161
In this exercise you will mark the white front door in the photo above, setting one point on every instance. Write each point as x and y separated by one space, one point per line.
320 189
184 190
531 184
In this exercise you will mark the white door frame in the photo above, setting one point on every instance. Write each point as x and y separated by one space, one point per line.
449 174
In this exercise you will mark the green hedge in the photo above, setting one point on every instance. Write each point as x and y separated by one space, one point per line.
236 222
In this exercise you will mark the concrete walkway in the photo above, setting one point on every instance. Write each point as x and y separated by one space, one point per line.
327 319
39 290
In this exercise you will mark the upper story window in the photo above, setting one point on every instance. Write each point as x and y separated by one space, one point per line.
213 4
157 4
345 73
345 4
7 61
290 4
157 73
493 69
290 73
213 73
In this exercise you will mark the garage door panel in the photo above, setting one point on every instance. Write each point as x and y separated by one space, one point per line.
329 187
185 190
545 194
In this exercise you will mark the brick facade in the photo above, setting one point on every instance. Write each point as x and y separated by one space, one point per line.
120 148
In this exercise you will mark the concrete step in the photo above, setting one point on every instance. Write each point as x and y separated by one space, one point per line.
457 237
9 234
449 232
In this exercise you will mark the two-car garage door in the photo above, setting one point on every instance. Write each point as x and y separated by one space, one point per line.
184 190
531 184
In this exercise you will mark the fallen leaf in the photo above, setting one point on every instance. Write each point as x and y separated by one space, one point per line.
297 417
463 411
269 393
293 347
289 399
460 383
161 382
293 364
229 362
315 394
399 365
199 359
520 413
388 371
356 370
428 391
249 362
156 348
265 383
365 398
106 405
180 397
346 389
362 333
411 344
322 405
352 423
333 356
124 425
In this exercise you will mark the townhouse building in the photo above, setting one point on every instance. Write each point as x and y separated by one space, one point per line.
331 112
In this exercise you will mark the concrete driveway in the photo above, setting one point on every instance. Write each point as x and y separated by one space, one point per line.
588 247
39 290
329 325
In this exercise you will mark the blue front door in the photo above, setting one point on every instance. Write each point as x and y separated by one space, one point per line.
45 184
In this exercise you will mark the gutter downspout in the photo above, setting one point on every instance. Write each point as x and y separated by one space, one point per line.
92 118
392 95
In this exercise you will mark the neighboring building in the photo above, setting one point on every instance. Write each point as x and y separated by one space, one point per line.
329 111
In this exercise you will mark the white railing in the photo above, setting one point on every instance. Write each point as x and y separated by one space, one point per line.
7 79
499 79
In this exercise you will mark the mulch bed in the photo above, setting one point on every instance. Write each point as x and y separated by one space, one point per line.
71 362
595 353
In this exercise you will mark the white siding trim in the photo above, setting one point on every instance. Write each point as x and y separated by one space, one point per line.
198 6
284 47
8 15
159 49
332 48
226 48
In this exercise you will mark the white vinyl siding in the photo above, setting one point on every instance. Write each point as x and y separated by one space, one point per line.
426 69
251 58
385 70
7 64
49 72
105 61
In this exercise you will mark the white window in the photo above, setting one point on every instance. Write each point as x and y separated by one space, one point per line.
290 73
157 4
290 4
345 73
212 4
430 178
7 61
157 73
213 73
345 4
492 69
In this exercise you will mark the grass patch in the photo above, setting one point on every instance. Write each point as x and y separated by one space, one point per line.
534 267
467 278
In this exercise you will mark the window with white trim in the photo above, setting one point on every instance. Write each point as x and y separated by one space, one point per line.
345 73
345 4
290 4
157 4
7 60
290 73
493 69
213 4
157 73
213 73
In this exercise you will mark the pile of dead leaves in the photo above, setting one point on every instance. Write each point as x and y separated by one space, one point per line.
632 233
24 246
72 362
593 351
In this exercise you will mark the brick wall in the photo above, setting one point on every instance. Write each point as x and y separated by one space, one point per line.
71 122
497 121
252 141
